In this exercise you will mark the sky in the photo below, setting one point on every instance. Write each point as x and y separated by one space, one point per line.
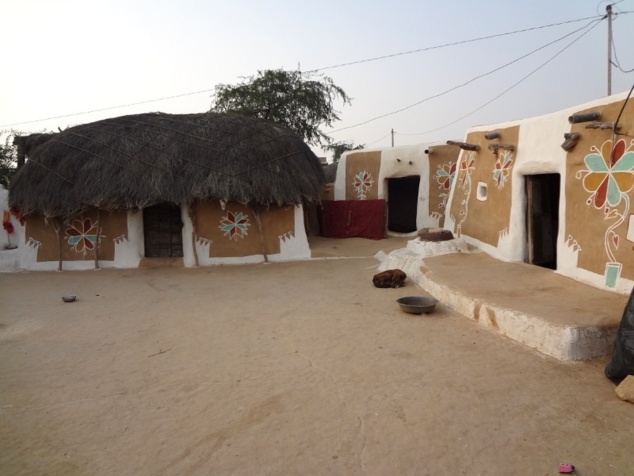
65 58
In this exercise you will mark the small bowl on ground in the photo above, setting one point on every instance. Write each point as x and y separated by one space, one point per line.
69 298
417 304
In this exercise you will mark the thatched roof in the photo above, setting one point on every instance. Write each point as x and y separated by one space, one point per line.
140 160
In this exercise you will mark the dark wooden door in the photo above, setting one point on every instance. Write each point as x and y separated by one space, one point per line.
402 203
162 227
542 219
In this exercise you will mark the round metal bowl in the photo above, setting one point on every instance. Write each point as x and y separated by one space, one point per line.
417 304
69 298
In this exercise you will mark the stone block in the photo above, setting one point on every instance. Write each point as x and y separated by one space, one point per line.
625 390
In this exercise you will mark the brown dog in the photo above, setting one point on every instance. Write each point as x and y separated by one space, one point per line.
392 278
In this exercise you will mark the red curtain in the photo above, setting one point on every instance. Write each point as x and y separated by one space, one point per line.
350 218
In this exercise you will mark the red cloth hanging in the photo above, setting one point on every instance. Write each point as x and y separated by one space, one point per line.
18 214
6 222
353 218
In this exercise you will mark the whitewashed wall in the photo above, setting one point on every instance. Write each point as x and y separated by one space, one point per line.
539 152
395 163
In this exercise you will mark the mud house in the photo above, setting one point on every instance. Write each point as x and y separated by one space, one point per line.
196 189
389 191
555 191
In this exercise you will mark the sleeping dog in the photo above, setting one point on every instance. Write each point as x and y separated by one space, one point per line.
392 278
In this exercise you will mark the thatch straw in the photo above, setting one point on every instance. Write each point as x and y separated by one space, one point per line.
141 160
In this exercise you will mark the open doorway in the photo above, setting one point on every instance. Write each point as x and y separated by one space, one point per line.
402 203
162 228
542 219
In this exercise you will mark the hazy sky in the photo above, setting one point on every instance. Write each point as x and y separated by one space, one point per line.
65 57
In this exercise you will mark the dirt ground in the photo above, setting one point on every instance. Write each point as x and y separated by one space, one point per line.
294 368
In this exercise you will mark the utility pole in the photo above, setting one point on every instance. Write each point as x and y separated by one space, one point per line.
608 11
392 137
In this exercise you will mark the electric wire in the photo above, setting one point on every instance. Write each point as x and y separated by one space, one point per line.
216 169
455 43
596 21
616 61
108 108
623 107
308 72
378 140
511 87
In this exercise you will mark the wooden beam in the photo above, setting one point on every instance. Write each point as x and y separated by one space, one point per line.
571 139
497 146
464 145
603 125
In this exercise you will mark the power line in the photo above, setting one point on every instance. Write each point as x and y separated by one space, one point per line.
511 87
108 108
616 61
498 35
310 71
378 140
467 82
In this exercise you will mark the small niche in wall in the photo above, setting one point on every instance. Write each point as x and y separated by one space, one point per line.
481 193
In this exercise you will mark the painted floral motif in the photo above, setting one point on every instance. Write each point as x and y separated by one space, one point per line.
362 182
445 176
610 173
82 235
467 165
235 225
608 178
502 168
465 169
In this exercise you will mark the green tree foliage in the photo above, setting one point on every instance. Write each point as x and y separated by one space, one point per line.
299 101
8 160
338 148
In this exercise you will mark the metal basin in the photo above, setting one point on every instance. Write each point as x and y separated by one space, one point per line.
417 304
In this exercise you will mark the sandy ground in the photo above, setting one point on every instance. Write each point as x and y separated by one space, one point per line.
295 368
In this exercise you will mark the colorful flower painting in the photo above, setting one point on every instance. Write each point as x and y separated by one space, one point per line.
82 235
362 182
608 179
502 168
235 225
465 169
467 165
610 173
445 176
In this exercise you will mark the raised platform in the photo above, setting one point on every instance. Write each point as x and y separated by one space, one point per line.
553 314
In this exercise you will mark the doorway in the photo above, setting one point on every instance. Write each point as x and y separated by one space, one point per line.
402 203
162 228
542 219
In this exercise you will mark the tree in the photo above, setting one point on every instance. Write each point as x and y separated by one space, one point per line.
8 163
338 148
299 101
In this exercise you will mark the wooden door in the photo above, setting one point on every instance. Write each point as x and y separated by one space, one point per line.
542 219
402 204
163 230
